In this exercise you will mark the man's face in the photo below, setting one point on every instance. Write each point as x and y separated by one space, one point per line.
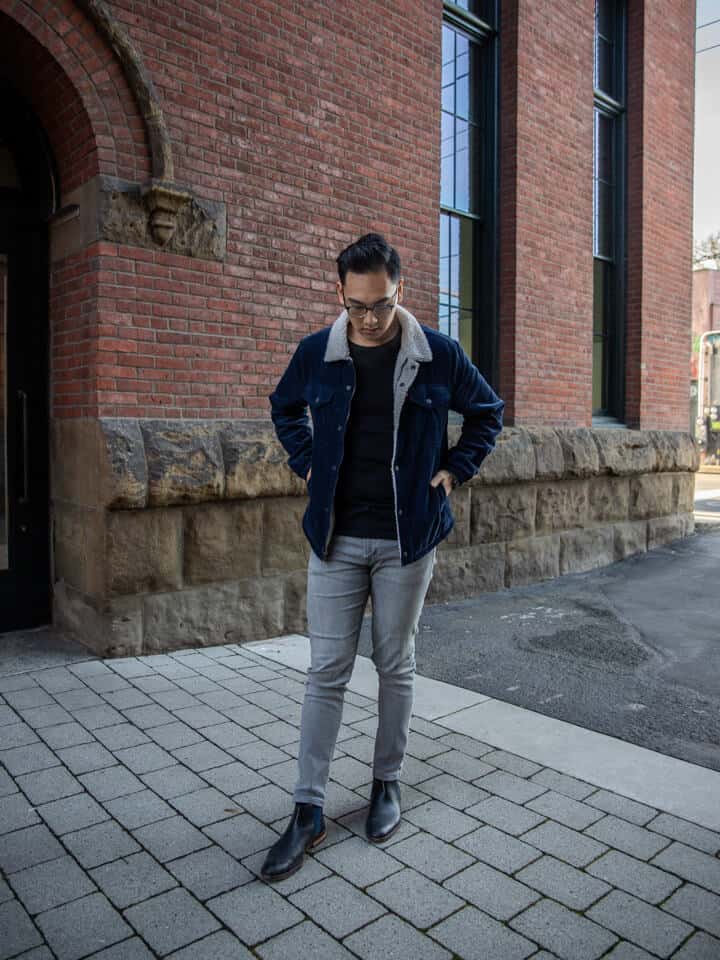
369 289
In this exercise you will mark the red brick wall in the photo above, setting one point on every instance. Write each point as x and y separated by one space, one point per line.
546 223
313 124
660 146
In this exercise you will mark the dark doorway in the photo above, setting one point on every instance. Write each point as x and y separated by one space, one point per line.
28 188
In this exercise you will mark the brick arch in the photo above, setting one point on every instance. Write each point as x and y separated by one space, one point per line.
59 61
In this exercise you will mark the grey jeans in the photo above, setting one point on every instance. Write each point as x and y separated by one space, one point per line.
337 593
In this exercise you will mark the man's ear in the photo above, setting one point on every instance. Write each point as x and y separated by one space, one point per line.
401 281
339 288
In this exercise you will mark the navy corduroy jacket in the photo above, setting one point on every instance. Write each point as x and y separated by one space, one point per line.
433 375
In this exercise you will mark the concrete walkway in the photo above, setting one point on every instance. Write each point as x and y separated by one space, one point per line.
138 798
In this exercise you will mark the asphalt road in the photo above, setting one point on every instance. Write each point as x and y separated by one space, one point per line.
631 650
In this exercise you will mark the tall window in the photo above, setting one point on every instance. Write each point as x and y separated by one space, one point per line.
467 296
609 209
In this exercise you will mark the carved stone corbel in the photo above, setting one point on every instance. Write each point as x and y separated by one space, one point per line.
163 201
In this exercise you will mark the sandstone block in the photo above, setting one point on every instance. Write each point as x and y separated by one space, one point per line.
580 454
256 463
512 459
625 452
284 545
532 560
120 464
608 498
184 461
561 505
460 504
675 450
549 457
466 571
222 541
630 537
586 549
79 537
665 529
502 512
683 494
651 495
144 550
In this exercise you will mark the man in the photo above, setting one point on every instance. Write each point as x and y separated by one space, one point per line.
379 471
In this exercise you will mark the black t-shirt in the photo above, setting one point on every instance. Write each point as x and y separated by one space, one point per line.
364 499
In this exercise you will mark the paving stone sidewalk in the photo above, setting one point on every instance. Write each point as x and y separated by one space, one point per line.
138 798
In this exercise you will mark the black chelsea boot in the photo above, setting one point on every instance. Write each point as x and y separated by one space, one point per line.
384 815
304 832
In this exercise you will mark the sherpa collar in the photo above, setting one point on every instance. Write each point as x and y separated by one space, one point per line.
413 341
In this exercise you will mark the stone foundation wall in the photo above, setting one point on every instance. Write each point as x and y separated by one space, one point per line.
173 533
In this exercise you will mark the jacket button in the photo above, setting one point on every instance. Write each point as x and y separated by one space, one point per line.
399 513
317 399
348 387
333 467
428 400
340 428
396 468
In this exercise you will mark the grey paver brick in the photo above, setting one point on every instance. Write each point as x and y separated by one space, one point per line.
473 935
350 772
233 777
278 732
355 823
576 848
699 947
559 880
132 949
45 716
34 756
199 716
107 684
195 684
499 849
563 932
453 791
86 757
51 883
426 727
17 734
562 783
25 848
689 833
241 835
153 684
99 716
19 681
17 931
415 898
145 758
78 928
174 699
459 764
442 821
127 698
149 716
170 736
209 872
39 953
228 735
121 735
507 785
71 813
65 735
268 803
690 864
393 939
204 806
5 891
57 680
46 785
173 781
89 668
7 715
171 920
218 946
634 920
625 951
255 912
469 745
505 815
637 841
304 940
220 699
340 801
283 774
80 699
202 756
697 906
362 748
100 844
110 783
16 812
424 747
358 861
491 891
512 763
171 838
430 856
623 807
573 813
28 697
139 809
131 667
337 906
634 876
132 879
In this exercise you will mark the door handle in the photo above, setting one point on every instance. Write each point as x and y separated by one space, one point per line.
25 495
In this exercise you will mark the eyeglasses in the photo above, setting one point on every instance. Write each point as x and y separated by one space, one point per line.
381 309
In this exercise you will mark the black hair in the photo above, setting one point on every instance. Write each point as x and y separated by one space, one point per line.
371 252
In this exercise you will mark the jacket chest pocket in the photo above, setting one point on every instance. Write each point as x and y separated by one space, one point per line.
434 398
323 402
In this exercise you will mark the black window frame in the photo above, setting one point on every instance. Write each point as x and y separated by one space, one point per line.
610 270
483 30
